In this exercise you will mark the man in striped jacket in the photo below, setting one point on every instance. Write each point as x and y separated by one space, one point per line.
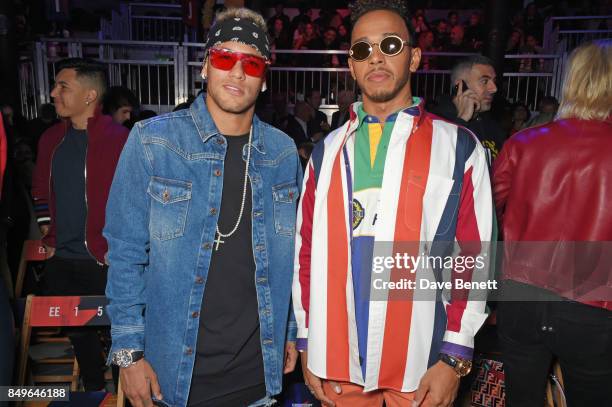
393 173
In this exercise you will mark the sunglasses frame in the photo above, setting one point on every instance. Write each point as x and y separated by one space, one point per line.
371 45
239 57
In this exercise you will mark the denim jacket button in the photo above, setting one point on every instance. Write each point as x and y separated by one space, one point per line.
199 280
217 173
188 351
220 141
213 211
207 246
195 314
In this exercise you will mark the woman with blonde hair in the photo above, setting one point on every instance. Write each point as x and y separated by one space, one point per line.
553 194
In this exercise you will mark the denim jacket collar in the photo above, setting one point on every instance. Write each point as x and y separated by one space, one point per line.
207 128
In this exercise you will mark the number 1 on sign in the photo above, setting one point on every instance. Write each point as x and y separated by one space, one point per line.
76 311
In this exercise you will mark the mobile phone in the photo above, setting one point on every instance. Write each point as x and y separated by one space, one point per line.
464 87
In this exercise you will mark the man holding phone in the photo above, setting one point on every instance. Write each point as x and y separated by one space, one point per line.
474 86
201 223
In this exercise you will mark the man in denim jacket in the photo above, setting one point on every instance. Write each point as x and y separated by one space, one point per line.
200 225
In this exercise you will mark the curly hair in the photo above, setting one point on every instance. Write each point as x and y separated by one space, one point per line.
400 7
245 13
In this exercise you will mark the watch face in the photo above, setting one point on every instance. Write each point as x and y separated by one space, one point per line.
123 358
464 368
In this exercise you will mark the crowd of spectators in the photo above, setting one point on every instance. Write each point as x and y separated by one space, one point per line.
325 25
461 31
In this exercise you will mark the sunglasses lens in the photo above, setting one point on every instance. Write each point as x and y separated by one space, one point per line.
391 46
222 59
225 60
253 66
360 50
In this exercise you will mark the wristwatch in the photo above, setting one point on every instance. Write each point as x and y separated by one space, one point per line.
126 357
462 367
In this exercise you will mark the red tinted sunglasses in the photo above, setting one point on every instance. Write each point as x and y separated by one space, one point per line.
225 60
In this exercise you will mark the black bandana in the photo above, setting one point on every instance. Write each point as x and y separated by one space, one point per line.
239 30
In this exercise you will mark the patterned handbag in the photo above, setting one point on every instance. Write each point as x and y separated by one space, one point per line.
488 388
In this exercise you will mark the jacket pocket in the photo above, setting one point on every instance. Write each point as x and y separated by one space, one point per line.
169 207
439 204
285 198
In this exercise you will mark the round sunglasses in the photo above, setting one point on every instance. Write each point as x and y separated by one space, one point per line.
390 46
225 59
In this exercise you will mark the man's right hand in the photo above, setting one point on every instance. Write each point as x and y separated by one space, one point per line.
139 381
466 102
314 383
49 251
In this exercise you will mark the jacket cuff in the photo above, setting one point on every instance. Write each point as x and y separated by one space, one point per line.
460 351
41 210
291 331
126 337
43 220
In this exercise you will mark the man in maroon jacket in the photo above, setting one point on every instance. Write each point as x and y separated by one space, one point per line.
71 181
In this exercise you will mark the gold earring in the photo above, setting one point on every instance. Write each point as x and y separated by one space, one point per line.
87 102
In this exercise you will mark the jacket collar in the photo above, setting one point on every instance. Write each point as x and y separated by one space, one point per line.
417 110
207 128
96 120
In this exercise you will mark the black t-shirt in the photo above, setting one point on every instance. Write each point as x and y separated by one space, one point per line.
228 368
68 177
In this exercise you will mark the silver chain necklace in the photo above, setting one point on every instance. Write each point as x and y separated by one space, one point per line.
220 235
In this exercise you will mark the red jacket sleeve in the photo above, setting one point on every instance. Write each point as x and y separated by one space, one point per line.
40 178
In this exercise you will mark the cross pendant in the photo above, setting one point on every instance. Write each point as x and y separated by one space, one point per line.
218 241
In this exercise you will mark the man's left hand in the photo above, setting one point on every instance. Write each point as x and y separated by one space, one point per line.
438 387
291 355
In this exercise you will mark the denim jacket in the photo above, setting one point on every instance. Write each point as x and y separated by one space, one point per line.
160 227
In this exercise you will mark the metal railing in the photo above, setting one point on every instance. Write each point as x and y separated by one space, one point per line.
149 69
28 89
563 34
157 22
164 74
529 87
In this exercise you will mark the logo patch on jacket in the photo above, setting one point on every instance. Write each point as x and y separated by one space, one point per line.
358 213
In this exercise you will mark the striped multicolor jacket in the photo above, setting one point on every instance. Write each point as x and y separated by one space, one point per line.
436 187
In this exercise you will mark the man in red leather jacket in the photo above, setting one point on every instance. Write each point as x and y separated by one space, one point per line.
71 181
553 194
